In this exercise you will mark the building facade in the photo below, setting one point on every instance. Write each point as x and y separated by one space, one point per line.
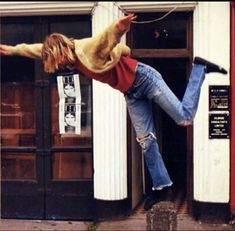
101 173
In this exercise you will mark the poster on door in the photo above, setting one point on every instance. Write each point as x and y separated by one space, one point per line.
69 103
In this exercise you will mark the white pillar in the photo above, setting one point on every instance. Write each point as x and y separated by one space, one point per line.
211 156
109 124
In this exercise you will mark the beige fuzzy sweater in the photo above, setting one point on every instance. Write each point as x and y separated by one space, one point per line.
99 53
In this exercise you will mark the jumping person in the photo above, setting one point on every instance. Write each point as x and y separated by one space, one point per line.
105 59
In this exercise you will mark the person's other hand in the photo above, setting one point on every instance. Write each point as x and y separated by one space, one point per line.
5 49
125 22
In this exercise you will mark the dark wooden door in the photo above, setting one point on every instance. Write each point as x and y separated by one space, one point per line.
45 175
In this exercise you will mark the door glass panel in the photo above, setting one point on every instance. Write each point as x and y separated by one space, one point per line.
163 34
85 138
72 165
18 166
17 90
78 27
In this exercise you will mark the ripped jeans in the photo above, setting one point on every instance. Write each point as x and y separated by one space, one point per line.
149 87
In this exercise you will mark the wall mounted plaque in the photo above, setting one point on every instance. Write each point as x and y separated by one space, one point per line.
219 98
219 126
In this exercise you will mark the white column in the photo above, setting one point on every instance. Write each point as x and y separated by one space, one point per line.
211 157
109 124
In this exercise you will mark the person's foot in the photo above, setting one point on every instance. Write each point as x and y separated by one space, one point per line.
210 67
158 195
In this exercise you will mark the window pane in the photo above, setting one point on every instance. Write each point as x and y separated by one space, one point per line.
72 165
85 138
169 33
76 27
18 166
17 89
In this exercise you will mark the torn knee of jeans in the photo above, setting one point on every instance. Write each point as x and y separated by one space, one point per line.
185 123
145 140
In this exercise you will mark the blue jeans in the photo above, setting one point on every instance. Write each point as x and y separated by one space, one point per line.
149 87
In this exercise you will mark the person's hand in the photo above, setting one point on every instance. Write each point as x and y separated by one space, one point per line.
125 22
5 49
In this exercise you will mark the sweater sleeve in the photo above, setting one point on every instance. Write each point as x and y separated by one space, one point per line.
102 52
120 50
28 50
126 51
107 40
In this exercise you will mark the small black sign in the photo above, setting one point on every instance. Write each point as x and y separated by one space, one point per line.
219 98
219 126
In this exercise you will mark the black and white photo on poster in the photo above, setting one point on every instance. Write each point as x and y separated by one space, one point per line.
69 104
69 86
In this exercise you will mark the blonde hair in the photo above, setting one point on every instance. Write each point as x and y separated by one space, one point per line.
58 51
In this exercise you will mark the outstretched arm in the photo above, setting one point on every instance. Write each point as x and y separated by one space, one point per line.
26 50
107 40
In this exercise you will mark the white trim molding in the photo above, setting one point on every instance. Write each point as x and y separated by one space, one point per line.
15 8
137 6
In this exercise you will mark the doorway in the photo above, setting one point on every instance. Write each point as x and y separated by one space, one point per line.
166 45
172 139
45 174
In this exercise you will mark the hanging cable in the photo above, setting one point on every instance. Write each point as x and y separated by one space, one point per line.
125 12
148 21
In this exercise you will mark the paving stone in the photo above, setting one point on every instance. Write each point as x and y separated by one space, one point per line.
162 216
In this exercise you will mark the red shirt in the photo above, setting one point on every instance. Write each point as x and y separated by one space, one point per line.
121 77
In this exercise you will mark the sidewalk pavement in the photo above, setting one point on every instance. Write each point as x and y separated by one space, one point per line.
135 222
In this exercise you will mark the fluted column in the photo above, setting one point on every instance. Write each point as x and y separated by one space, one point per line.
109 124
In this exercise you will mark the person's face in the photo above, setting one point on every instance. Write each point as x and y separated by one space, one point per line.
69 90
70 119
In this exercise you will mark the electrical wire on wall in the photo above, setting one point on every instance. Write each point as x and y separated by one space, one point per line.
125 12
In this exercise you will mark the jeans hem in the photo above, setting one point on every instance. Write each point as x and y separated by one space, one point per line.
162 186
